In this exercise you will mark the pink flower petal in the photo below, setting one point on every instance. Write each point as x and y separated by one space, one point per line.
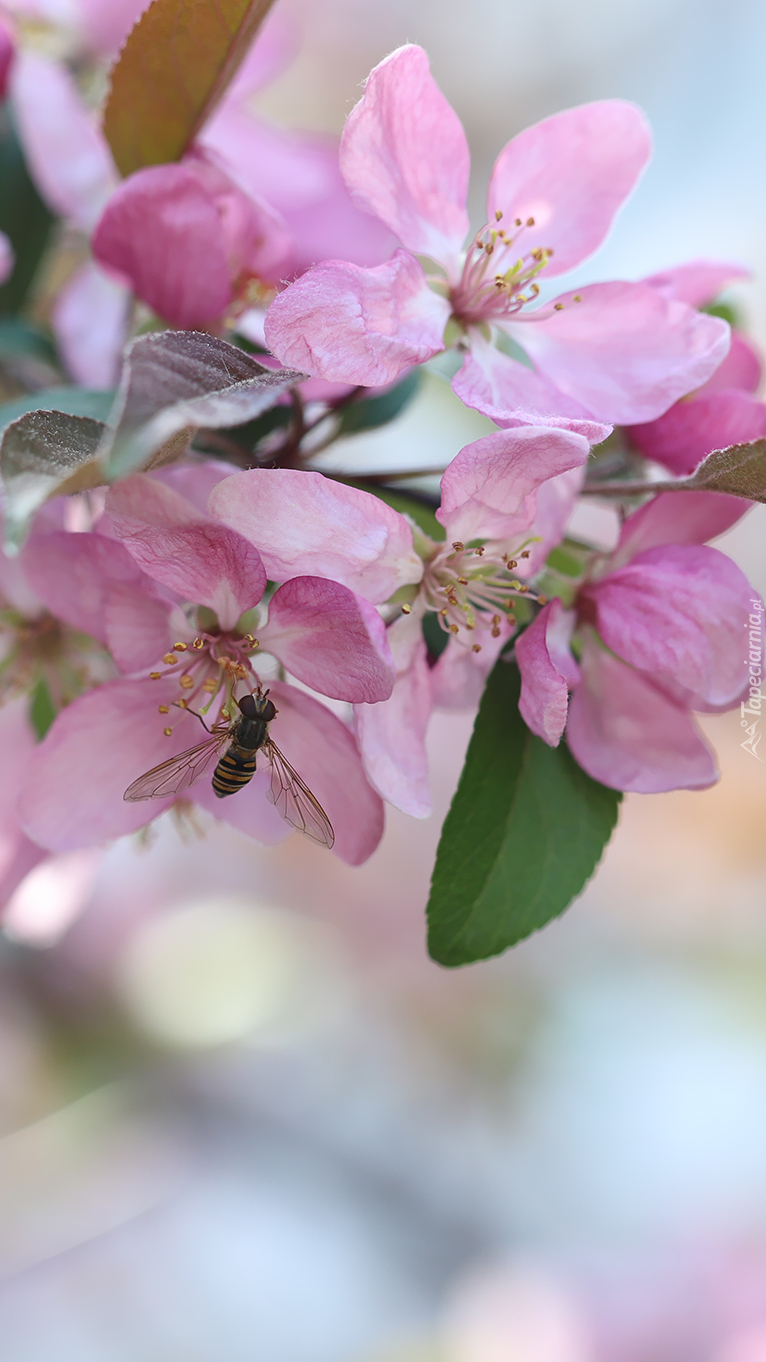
742 367
331 639
511 394
682 437
405 158
73 575
698 281
570 173
204 562
677 518
678 612
626 733
89 320
353 325
7 258
17 854
306 525
392 735
624 351
138 626
107 23
67 154
489 489
72 795
548 672
556 500
256 240
248 810
459 675
7 53
162 232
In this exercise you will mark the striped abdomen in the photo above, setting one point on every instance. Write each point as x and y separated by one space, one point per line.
235 769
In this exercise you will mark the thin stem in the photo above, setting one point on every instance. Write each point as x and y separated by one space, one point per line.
635 489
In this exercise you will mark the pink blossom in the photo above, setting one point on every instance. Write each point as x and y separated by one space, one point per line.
660 628
617 352
505 500
725 410
179 591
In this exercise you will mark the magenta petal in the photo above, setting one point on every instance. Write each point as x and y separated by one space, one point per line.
547 672
306 525
624 351
677 518
511 394
137 626
682 437
89 320
331 639
392 735
678 612
571 173
742 367
698 281
7 53
488 491
72 795
626 733
204 562
73 574
405 158
354 325
7 258
162 232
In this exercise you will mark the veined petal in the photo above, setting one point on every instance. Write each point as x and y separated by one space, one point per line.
682 437
72 795
89 320
405 158
511 394
548 672
570 173
138 626
161 231
306 525
331 639
353 325
459 675
488 491
625 732
697 281
203 561
73 575
678 612
677 518
623 350
392 735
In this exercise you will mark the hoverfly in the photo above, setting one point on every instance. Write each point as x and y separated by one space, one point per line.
243 738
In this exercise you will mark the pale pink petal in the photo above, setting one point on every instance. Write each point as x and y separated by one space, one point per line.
624 351
354 325
107 23
548 672
162 232
72 795
90 320
73 574
21 858
255 237
570 173
682 437
405 158
489 489
276 46
7 258
742 367
698 281
625 732
392 734
66 152
677 518
137 626
248 810
459 675
194 481
204 562
17 854
556 500
511 394
306 525
678 612
331 639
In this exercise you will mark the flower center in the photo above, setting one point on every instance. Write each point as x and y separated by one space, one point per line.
474 586
208 669
486 292
42 648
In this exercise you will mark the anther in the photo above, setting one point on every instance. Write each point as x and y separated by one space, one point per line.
167 732
211 685
463 581
479 552
457 546
443 613
524 589
495 619
498 215
164 709
476 648
530 222
406 609
182 704
495 630
170 659
155 676
542 600
179 647
511 564
517 222
454 629
187 682
524 553
577 298
558 307
198 643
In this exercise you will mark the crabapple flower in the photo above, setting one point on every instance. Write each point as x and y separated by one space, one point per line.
177 592
615 352
658 632
725 410
505 501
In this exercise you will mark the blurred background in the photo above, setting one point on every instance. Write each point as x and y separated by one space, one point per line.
242 1115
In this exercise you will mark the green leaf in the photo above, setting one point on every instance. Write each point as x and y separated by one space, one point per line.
24 217
436 638
73 401
21 339
369 412
44 454
525 832
172 71
41 709
739 470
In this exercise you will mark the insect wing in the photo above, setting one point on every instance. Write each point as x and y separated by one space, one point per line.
178 773
294 800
